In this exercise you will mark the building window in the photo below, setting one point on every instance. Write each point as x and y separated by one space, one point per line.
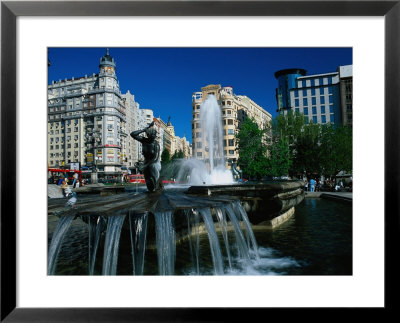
198 134
231 142
304 92
296 93
296 102
304 82
230 122
329 80
322 109
305 102
330 90
199 154
312 82
314 110
313 91
314 119
321 81
322 100
198 125
306 120
305 111
297 111
230 131
229 111
231 152
323 118
198 145
331 110
314 101
331 99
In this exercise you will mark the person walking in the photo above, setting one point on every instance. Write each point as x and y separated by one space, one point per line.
312 185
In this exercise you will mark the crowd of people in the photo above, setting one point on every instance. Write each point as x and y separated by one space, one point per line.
316 185
62 183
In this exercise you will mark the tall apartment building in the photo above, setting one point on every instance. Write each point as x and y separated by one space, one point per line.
131 148
86 121
319 97
346 93
234 110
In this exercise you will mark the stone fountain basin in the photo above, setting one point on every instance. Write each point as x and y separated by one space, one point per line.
263 201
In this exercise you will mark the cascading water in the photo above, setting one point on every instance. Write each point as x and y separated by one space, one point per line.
165 238
96 227
111 245
239 208
138 230
209 222
56 242
213 238
211 170
223 227
242 247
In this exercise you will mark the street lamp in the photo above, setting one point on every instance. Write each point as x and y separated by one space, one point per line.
94 138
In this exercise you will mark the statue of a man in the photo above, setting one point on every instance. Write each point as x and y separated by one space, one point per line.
151 152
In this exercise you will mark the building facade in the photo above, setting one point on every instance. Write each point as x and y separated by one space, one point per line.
86 121
234 110
131 146
346 93
319 97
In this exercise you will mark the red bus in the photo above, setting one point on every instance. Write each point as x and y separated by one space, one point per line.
137 178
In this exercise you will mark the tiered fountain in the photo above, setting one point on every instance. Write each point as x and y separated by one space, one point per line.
162 221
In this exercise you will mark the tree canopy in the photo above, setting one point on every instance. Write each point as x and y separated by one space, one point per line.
292 146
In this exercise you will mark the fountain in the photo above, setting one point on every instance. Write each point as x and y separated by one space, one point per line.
211 170
135 225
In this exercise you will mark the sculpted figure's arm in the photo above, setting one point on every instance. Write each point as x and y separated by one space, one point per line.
135 134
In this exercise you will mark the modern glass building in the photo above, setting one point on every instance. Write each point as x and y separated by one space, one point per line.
317 96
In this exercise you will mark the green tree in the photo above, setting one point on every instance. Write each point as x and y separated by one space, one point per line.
336 149
165 157
178 154
279 157
307 151
252 151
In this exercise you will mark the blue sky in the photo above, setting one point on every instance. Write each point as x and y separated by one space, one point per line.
163 79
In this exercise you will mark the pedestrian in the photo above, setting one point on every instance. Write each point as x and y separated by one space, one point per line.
306 185
312 185
75 179
64 187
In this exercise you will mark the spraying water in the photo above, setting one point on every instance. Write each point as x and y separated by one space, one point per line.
211 170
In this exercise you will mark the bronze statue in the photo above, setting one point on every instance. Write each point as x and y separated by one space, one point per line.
151 152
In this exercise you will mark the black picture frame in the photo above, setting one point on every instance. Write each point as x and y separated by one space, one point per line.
10 10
